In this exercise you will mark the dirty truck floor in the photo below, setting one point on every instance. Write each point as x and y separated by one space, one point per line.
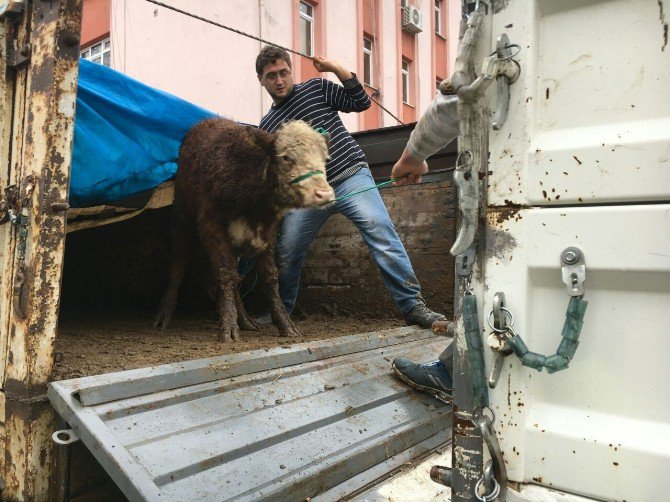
95 345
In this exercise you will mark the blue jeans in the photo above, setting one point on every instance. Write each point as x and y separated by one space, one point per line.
368 212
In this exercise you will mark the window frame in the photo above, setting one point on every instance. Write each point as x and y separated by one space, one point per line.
404 75
370 66
105 46
309 18
438 16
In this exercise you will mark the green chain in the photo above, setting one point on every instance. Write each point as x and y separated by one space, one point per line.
480 393
574 320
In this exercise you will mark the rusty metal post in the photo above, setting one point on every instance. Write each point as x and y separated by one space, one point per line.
13 33
41 146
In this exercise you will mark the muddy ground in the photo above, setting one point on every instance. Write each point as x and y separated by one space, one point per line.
102 344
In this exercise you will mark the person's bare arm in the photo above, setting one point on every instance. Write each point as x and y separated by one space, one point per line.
408 170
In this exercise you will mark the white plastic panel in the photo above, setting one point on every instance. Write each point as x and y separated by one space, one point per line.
589 117
600 428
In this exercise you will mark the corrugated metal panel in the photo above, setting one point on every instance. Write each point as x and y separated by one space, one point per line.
280 424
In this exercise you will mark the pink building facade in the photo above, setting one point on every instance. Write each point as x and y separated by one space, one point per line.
214 68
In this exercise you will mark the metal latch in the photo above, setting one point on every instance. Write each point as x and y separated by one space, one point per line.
497 341
507 73
464 262
574 271
14 208
466 179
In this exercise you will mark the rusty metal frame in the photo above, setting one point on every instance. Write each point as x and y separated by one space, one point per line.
467 455
40 95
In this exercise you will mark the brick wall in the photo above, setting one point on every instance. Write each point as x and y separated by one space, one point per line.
340 276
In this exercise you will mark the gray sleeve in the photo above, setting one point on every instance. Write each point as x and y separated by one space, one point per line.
436 127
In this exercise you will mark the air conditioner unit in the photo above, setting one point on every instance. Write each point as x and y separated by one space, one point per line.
411 19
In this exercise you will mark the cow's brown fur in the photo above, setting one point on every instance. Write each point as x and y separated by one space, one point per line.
233 186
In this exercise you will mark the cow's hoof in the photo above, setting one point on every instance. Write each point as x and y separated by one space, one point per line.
288 331
231 334
246 324
161 322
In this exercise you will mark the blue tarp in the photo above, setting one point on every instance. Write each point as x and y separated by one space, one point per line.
126 136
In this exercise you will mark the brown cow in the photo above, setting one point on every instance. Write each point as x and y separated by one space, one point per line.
234 183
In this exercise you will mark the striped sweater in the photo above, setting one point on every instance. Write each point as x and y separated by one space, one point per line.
317 102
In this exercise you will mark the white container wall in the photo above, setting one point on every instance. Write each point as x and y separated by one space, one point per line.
583 160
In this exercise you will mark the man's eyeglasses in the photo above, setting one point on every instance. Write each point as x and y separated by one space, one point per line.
273 75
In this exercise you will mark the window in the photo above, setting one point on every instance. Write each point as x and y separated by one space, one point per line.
367 62
306 28
438 17
405 81
99 53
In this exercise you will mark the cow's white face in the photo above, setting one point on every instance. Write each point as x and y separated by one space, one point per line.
301 153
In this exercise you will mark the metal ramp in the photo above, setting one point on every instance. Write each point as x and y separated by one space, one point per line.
316 420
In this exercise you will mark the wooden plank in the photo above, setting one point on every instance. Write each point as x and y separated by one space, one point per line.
43 129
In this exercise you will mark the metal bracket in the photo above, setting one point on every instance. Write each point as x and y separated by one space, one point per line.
18 58
467 181
64 437
485 425
497 341
508 73
464 262
574 271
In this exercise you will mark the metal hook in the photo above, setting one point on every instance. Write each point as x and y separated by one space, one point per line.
501 330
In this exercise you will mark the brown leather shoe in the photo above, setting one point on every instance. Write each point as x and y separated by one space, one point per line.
422 316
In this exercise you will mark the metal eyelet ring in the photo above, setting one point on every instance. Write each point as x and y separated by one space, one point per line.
489 496
468 161
503 330
479 414
508 46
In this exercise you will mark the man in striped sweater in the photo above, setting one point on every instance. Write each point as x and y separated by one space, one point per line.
318 101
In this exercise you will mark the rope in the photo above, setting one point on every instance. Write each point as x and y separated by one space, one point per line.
378 185
248 35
